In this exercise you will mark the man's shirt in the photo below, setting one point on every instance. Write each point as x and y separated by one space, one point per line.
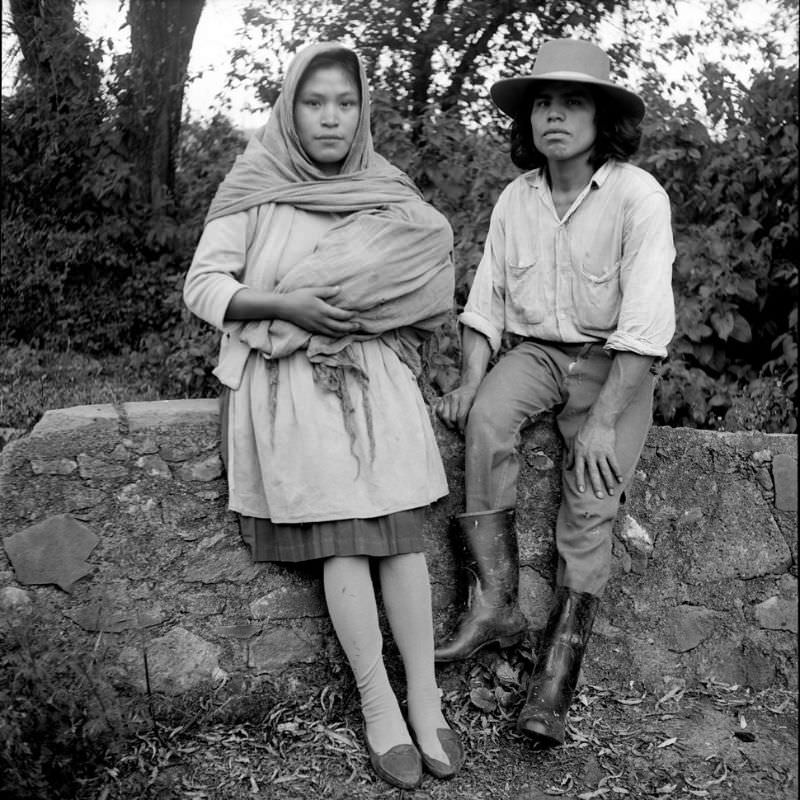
601 273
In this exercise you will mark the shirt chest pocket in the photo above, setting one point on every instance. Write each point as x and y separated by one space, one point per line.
525 290
596 294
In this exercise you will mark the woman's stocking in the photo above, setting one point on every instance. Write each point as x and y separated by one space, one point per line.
354 614
406 591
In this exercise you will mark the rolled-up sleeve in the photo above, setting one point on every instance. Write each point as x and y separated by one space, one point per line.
214 276
484 311
647 314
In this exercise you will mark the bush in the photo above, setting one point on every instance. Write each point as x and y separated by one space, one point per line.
86 268
62 721
733 362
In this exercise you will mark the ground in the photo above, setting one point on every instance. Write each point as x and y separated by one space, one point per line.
716 741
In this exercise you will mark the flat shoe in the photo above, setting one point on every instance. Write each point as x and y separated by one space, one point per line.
400 765
454 750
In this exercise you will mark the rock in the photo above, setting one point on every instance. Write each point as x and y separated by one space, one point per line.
290 602
14 599
688 626
77 497
245 630
134 500
154 466
784 475
776 614
759 666
120 453
279 647
53 551
233 566
540 460
176 662
638 545
58 466
100 617
143 445
208 469
91 467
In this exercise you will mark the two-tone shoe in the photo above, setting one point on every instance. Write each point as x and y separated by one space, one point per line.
453 749
400 766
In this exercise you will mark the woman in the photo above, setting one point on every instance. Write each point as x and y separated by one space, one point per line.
325 270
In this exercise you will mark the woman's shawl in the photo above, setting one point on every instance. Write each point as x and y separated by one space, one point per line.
390 254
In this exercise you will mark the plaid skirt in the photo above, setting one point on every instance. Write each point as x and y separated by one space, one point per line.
389 535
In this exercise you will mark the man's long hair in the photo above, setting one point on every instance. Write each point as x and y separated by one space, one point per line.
618 134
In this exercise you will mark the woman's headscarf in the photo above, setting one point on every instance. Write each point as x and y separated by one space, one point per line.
274 168
390 254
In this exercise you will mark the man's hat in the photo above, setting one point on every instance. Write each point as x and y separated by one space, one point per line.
566 60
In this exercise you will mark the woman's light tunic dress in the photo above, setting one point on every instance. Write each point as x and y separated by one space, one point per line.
291 457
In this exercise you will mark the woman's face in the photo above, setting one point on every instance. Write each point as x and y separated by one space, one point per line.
326 114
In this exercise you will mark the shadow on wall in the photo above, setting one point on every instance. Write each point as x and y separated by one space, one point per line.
115 521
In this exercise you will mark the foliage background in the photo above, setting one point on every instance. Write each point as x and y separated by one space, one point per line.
93 269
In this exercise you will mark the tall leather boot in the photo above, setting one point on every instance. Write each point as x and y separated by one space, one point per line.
493 615
555 676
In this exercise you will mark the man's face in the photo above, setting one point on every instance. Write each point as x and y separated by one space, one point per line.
563 121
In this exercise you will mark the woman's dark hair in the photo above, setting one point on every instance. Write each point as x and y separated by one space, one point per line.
340 57
618 134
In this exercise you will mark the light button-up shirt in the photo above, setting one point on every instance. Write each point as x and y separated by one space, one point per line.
602 272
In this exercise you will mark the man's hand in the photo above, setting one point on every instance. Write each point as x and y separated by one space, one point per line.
308 309
592 452
453 408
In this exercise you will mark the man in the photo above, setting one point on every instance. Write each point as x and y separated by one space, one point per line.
577 265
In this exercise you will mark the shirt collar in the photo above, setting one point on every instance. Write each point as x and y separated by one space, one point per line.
537 180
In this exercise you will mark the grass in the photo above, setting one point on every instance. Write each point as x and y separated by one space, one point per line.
34 381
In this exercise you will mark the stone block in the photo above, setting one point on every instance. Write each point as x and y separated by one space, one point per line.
291 600
57 466
280 647
167 413
176 662
207 469
212 568
688 626
784 476
52 551
777 614
60 419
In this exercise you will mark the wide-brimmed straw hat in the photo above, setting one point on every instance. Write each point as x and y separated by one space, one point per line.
566 60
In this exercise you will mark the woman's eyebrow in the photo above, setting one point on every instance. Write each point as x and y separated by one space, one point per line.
312 93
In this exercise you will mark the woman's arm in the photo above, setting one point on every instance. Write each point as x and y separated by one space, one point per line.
306 308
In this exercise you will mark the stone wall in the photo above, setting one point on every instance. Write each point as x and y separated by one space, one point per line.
114 524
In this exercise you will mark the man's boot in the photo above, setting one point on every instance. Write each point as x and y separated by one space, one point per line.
493 615
555 675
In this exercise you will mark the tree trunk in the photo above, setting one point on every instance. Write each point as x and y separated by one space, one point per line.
162 32
56 55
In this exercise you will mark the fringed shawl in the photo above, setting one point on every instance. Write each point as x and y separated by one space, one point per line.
390 255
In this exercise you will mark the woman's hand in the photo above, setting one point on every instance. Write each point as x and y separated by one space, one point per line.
310 310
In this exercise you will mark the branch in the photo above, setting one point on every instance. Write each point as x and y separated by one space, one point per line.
501 12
